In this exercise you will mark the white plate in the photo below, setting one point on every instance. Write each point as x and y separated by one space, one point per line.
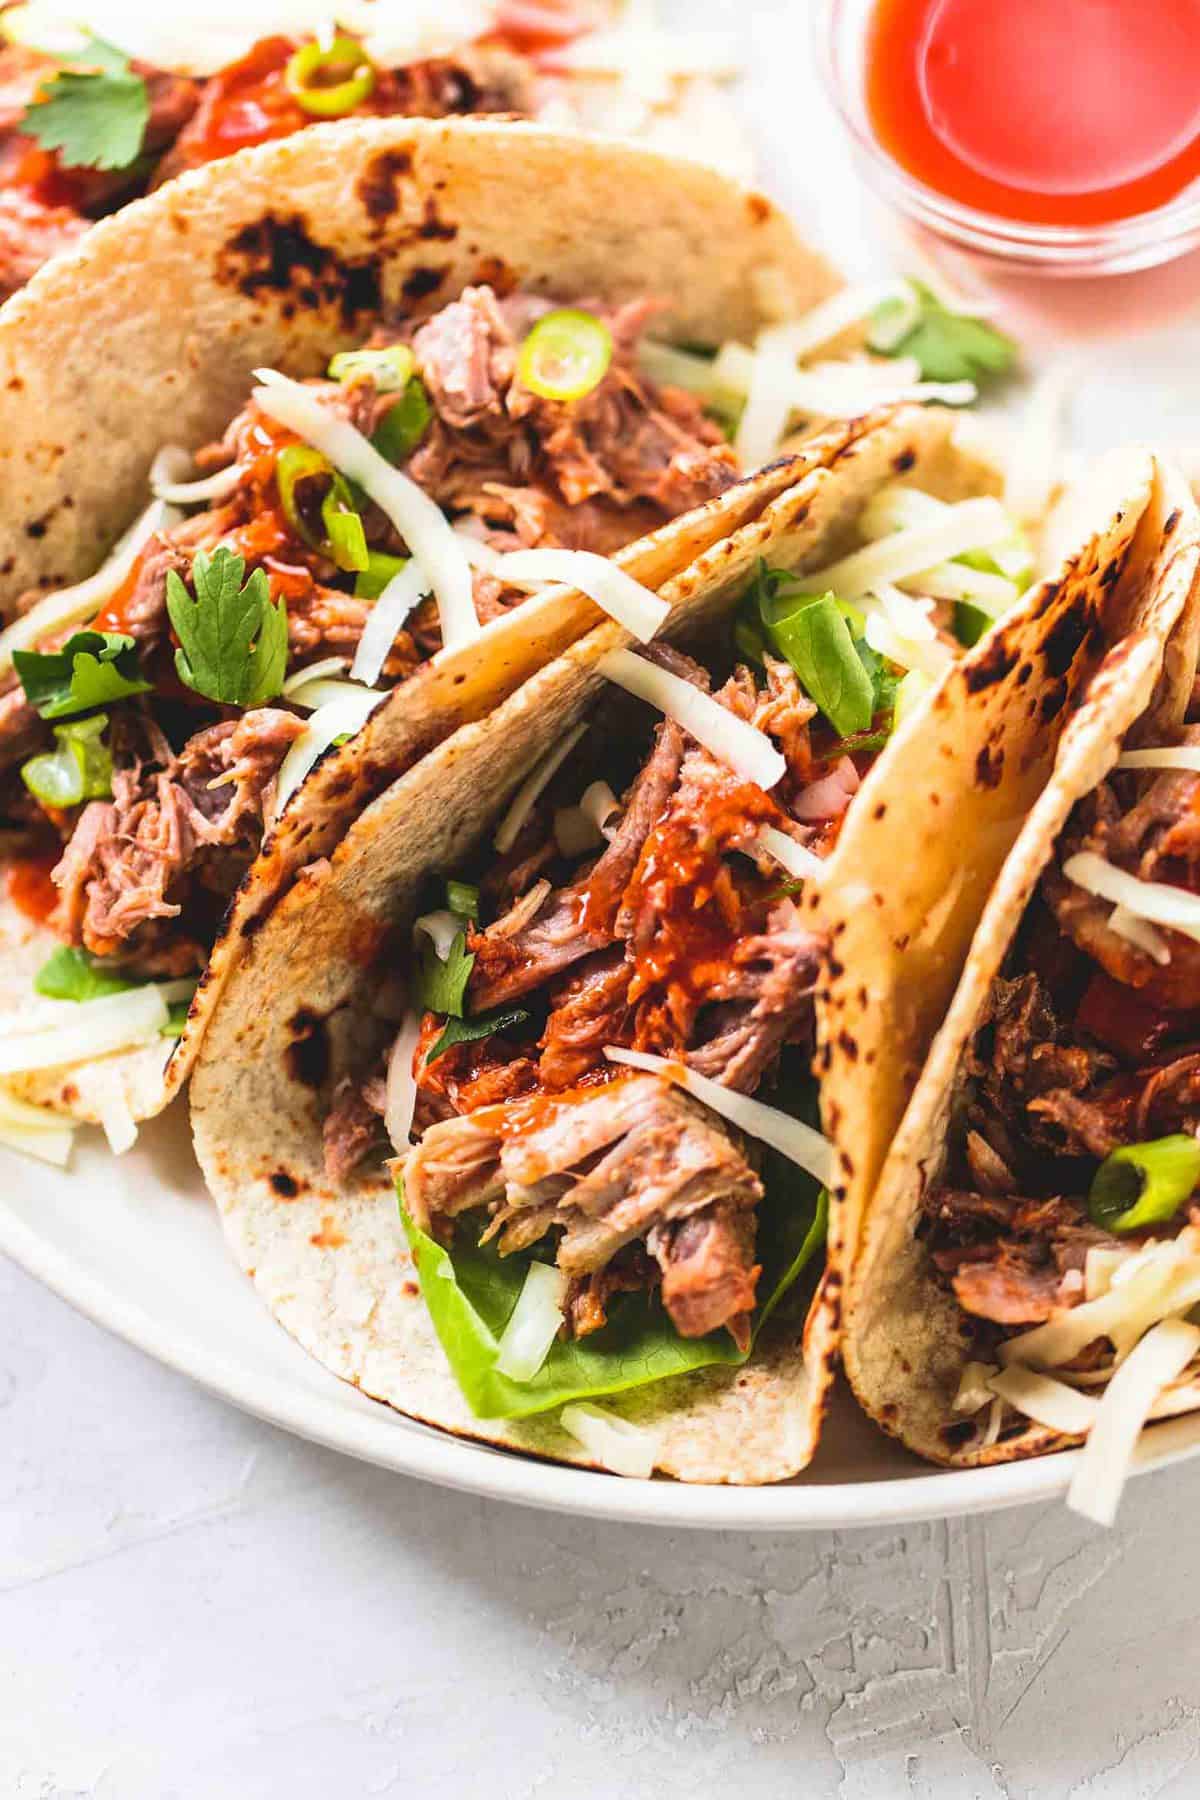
135 1244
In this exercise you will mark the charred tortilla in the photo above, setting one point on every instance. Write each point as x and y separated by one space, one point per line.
311 1007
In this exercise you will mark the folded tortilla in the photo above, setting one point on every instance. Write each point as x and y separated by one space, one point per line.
302 1009
907 1339
282 257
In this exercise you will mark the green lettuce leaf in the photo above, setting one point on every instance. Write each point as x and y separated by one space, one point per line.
471 1290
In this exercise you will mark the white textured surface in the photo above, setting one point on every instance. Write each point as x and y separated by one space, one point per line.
194 1605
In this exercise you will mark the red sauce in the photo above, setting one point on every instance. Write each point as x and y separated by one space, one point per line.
1057 112
246 103
30 888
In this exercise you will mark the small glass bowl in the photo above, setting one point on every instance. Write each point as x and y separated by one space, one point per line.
1140 242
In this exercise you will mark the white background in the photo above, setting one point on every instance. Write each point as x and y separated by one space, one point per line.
194 1605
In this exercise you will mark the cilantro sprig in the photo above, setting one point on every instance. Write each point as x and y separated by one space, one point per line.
232 640
473 1031
949 346
92 669
94 111
441 987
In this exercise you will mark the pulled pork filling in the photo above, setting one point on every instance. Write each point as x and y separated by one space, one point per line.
144 871
1089 1044
681 938
47 203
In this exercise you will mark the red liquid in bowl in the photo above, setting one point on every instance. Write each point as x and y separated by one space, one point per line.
1055 112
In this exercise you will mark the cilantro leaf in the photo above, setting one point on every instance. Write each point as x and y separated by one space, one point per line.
70 974
473 1031
94 112
441 987
92 669
233 641
949 346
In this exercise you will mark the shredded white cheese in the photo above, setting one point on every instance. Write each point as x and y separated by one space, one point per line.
1156 901
441 928
317 671
418 519
166 482
35 1130
1159 1358
796 858
403 592
791 1137
526 796
338 718
641 612
1176 756
73 605
1138 931
741 746
1044 1400
968 525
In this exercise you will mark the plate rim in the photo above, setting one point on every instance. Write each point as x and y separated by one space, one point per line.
468 1467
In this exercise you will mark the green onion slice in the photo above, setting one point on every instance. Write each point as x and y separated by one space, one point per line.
566 355
379 571
344 540
462 899
344 534
330 80
391 370
404 424
1143 1184
79 769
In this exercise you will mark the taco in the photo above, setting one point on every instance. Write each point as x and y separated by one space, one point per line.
103 105
568 953
472 419
1031 1254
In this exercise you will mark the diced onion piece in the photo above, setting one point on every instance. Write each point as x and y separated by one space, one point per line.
102 1090
1162 1355
598 804
616 1443
908 616
741 746
166 483
98 1027
992 594
616 593
525 798
1156 901
796 858
1140 932
791 1137
535 1322
418 519
1045 1401
400 1088
967 525
402 593
1176 756
73 605
317 671
340 718
974 1393
441 928
323 690
931 659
